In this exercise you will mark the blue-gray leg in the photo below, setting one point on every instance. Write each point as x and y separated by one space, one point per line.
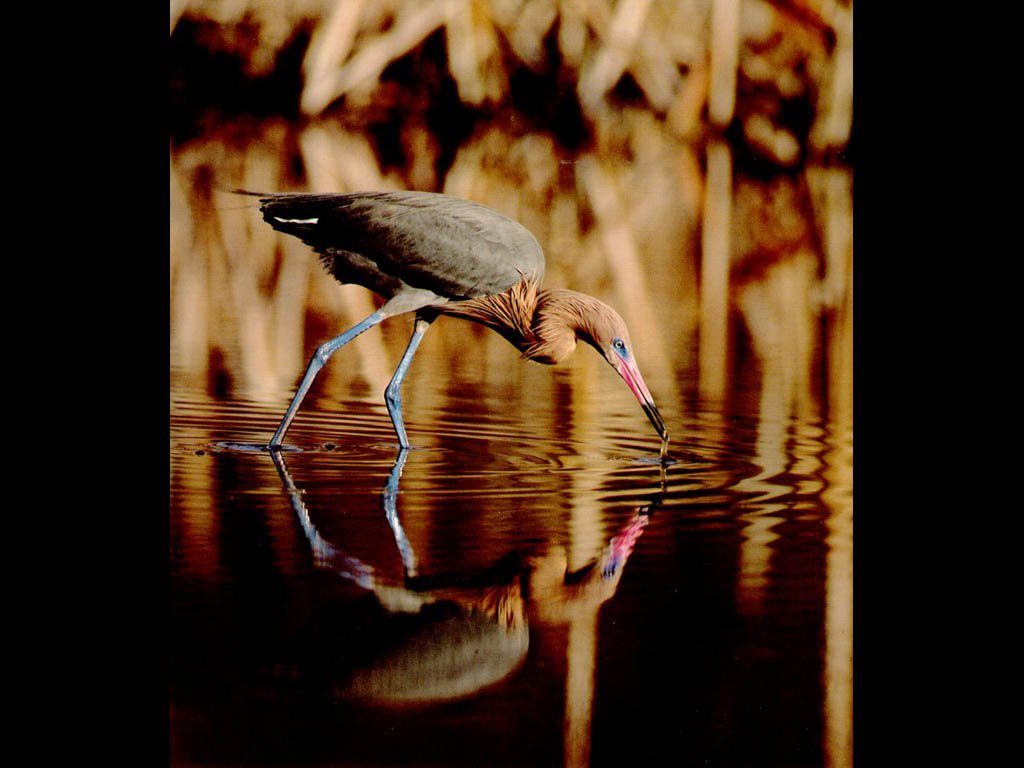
323 352
393 394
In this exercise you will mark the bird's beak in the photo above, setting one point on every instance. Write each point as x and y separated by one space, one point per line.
631 375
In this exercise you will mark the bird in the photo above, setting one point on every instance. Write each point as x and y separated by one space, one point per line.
434 254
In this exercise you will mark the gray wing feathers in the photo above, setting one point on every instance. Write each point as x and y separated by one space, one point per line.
453 247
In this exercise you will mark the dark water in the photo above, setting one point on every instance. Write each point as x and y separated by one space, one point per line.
497 596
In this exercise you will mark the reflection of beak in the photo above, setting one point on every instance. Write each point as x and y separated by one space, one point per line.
631 375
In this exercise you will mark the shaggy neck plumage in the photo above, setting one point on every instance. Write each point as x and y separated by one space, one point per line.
542 324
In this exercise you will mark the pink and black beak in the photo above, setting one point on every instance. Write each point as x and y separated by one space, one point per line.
624 364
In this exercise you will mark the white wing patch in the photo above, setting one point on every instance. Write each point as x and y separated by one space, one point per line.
296 221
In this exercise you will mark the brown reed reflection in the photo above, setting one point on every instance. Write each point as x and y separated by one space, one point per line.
783 301
439 637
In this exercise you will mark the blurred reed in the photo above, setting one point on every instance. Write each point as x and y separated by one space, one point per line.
665 47
651 210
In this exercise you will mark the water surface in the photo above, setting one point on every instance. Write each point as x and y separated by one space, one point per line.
508 592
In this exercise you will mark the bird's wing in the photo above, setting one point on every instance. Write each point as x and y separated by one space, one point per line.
453 247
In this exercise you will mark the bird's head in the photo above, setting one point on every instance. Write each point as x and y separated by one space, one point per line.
600 326
607 333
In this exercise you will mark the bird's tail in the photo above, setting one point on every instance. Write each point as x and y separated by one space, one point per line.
240 191
295 213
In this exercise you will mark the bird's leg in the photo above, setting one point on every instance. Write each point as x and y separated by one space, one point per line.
393 394
323 352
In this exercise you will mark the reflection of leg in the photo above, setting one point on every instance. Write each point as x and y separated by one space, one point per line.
391 513
393 394
323 352
324 554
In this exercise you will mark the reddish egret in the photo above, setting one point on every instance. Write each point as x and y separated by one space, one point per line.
438 255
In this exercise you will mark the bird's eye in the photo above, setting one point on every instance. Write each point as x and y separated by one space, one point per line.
619 344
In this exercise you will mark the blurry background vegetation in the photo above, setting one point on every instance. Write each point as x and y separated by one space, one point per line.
689 161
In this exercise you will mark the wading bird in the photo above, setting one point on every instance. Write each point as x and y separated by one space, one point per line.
433 254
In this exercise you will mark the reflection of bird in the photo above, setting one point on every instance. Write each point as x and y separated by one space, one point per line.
444 636
433 254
